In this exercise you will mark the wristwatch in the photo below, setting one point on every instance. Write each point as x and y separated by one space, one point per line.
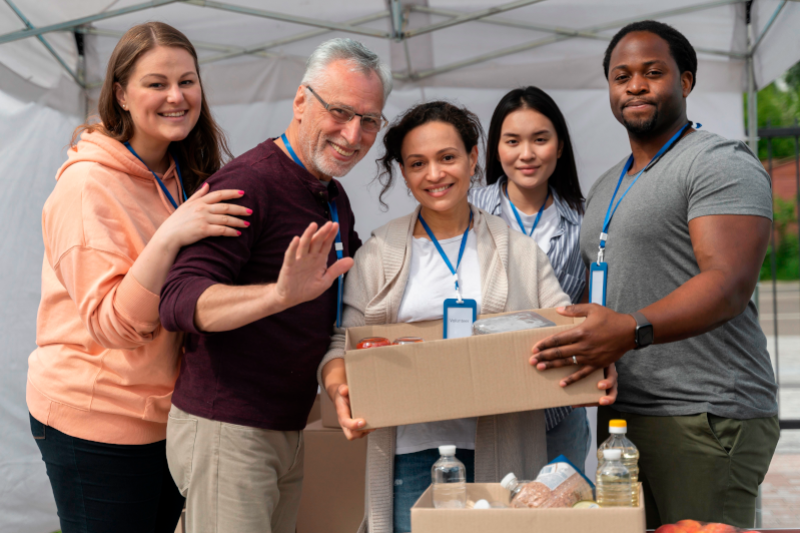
644 330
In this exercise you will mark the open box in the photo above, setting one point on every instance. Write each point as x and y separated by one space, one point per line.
426 519
456 378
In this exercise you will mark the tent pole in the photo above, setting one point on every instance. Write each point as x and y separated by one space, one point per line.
72 24
560 37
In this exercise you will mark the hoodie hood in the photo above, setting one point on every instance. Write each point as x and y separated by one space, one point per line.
96 147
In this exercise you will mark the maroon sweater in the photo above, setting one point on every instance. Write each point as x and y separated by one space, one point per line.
263 374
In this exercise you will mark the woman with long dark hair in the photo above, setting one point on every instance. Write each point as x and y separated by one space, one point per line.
533 186
127 199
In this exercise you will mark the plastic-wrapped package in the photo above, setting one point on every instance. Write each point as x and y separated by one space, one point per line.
557 485
693 526
511 322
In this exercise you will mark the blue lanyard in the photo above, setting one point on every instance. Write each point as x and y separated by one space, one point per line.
438 246
519 218
335 218
613 208
158 180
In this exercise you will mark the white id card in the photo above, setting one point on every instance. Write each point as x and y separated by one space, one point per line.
598 281
458 318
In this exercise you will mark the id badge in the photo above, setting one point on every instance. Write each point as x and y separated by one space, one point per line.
598 281
458 318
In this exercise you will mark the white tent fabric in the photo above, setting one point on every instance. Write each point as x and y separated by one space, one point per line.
41 103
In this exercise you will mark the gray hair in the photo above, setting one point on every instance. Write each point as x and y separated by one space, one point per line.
362 59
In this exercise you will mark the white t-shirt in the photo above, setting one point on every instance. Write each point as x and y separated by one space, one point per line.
547 227
429 284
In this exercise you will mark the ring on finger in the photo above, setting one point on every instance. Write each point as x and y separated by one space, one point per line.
575 359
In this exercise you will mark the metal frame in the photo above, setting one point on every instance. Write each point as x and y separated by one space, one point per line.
398 33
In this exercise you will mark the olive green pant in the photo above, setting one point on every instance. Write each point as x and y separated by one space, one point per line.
700 467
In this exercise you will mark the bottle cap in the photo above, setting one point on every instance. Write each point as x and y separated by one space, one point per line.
614 454
617 426
482 504
509 482
447 449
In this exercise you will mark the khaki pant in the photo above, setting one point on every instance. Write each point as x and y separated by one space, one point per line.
699 467
236 479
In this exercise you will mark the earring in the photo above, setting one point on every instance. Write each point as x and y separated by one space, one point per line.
125 107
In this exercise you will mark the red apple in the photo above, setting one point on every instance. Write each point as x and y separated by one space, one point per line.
689 526
669 528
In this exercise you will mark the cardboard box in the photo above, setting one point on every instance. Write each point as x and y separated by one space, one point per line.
426 519
333 482
456 378
329 417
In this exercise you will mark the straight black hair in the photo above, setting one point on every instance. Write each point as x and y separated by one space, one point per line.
564 180
680 48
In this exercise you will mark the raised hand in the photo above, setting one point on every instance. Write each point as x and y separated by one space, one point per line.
305 273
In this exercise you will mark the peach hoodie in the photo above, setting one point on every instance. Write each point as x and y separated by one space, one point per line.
104 369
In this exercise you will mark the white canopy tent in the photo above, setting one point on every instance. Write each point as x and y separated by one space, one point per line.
53 56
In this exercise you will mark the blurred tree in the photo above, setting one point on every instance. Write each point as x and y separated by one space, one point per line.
778 104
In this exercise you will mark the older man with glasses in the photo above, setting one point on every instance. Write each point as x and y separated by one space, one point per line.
258 309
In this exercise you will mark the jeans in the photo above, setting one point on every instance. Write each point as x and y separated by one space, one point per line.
113 488
412 475
572 438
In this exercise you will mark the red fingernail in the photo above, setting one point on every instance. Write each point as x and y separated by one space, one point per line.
238 232
246 224
241 192
249 211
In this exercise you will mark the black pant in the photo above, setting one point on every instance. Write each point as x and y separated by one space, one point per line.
103 488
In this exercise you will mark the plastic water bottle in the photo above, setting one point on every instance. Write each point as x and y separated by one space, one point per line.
512 484
449 479
618 440
613 481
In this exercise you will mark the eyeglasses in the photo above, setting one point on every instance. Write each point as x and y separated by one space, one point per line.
343 114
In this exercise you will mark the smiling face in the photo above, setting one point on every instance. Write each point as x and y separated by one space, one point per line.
162 95
437 167
647 90
331 148
529 148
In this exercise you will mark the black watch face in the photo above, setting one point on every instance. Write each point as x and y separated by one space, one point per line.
644 336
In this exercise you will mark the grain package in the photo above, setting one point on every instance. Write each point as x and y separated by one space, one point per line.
557 485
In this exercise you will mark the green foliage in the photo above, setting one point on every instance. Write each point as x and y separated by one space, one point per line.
787 258
778 107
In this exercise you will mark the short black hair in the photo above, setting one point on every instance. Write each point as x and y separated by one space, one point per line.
564 179
680 48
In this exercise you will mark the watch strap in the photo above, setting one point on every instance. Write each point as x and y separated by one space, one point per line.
640 319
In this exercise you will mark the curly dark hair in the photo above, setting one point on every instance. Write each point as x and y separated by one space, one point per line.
464 121
680 48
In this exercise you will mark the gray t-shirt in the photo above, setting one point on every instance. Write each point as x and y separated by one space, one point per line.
727 371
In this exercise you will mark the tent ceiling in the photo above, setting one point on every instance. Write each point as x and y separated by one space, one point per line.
556 44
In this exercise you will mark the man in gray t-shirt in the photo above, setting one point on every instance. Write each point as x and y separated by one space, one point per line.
683 252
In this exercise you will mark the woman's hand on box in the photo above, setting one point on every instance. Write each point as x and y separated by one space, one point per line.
597 342
352 427
608 384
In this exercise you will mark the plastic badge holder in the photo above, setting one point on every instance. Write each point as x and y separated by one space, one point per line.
511 322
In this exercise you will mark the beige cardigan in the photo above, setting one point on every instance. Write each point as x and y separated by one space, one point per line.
375 285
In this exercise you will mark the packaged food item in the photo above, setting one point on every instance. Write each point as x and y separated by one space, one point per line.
693 526
510 322
613 481
449 480
619 440
373 342
586 504
558 484
407 340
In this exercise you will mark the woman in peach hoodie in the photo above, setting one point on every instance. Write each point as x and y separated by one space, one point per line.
100 381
